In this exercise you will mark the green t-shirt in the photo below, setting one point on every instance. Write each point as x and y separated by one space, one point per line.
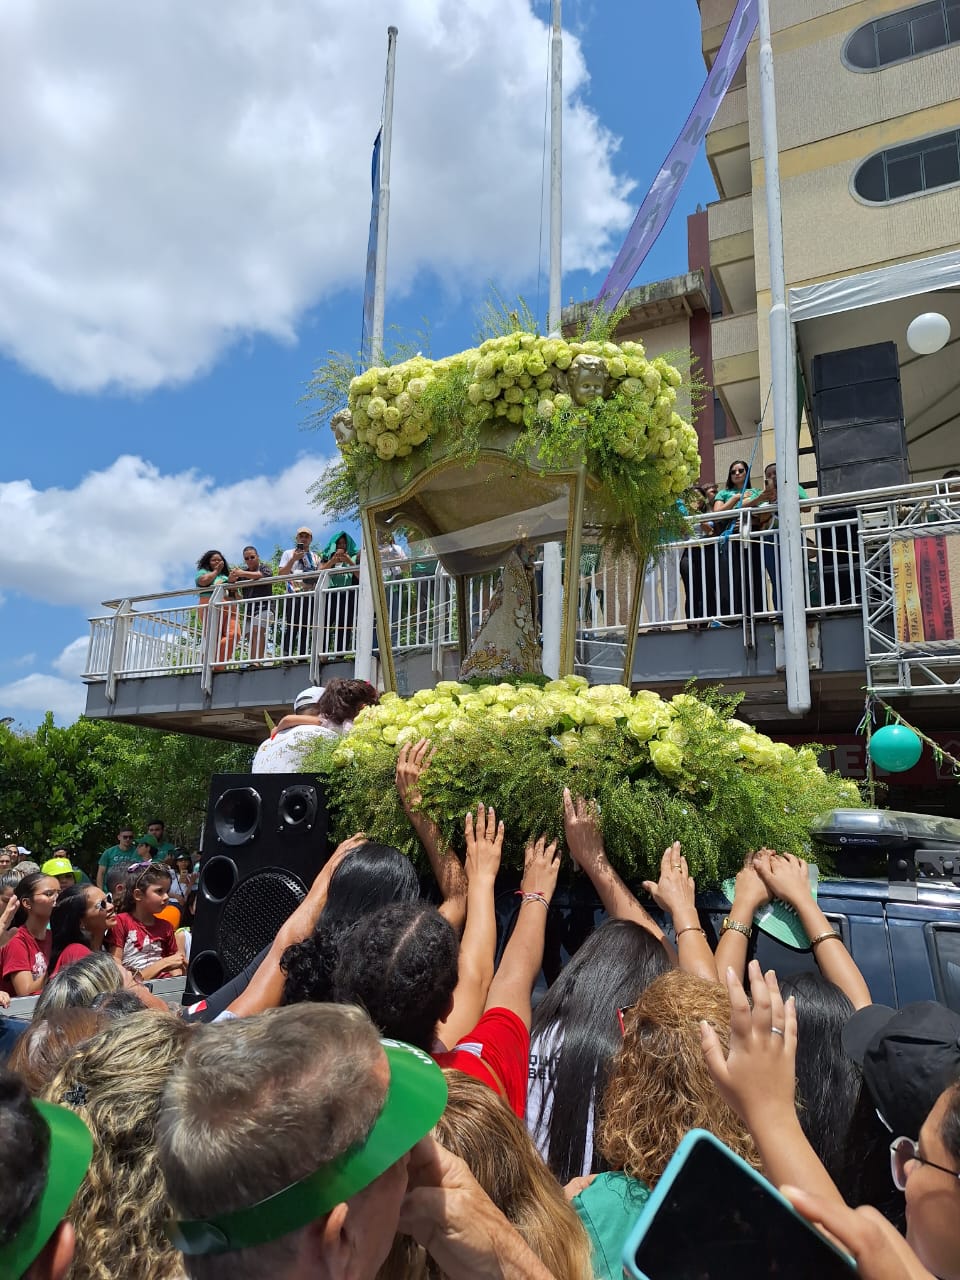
110 857
608 1209
164 850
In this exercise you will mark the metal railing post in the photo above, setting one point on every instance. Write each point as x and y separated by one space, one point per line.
211 635
118 646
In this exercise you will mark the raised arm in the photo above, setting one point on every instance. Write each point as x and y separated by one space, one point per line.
786 877
675 892
484 840
265 989
757 1080
413 760
585 844
522 957
749 896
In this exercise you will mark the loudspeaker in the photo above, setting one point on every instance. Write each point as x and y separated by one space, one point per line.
265 839
858 428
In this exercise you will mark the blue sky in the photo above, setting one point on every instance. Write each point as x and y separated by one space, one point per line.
182 238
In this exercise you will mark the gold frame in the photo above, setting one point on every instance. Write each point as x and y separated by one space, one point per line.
495 448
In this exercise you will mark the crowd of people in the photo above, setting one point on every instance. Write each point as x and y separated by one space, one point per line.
376 1095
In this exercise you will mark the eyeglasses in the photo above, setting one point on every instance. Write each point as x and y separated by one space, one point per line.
250 557
105 901
903 1151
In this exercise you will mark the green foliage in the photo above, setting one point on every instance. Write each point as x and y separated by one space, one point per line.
75 785
732 791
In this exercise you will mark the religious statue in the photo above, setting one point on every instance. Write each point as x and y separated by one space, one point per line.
585 380
508 643
341 424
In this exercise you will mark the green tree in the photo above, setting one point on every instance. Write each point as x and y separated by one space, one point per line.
75 785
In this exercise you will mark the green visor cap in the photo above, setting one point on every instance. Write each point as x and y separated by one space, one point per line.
414 1103
71 1150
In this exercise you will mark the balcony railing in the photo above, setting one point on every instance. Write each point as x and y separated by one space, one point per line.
716 577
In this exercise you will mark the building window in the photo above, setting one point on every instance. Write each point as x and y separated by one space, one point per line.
720 431
909 33
926 164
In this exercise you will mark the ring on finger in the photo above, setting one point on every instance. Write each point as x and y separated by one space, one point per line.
776 1031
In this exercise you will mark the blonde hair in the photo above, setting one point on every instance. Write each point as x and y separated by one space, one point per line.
660 1087
479 1127
114 1082
40 1051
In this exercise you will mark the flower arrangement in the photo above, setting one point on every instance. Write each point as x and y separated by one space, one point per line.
624 426
660 770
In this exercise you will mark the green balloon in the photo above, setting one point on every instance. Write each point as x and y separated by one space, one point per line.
895 748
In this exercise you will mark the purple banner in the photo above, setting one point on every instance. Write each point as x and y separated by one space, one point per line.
662 196
366 336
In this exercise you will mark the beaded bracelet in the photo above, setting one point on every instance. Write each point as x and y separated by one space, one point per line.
533 897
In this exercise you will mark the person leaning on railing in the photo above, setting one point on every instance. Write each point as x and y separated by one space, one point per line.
213 571
736 494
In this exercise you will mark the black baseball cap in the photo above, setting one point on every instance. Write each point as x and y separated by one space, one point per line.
908 1057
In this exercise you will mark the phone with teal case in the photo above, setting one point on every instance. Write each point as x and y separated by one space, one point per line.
712 1217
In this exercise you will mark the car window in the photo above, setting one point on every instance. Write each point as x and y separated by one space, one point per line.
943 944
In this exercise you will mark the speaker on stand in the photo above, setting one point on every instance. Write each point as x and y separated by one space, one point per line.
265 840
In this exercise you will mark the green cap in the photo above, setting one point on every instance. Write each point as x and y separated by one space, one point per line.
414 1102
148 839
71 1150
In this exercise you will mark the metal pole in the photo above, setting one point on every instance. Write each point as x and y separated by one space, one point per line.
553 601
783 375
383 211
369 557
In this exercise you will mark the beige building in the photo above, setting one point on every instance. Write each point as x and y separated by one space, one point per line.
868 105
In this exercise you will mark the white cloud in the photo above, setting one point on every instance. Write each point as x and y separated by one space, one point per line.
42 693
73 659
179 174
23 660
132 530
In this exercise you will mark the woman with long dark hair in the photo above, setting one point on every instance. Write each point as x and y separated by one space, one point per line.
575 1035
213 571
828 1082
371 876
79 924
736 493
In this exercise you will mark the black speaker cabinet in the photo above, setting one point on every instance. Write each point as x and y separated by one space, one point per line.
858 427
265 839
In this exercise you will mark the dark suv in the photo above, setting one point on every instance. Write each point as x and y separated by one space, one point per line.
897 907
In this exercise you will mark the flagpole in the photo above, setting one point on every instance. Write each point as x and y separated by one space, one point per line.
363 666
783 387
380 279
552 620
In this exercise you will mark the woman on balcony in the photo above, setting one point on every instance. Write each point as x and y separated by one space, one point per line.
213 571
735 495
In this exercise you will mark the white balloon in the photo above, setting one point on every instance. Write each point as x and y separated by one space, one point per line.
928 333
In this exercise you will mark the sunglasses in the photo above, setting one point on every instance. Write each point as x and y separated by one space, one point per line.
737 470
145 868
105 901
902 1152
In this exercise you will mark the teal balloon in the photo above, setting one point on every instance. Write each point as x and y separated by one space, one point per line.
895 748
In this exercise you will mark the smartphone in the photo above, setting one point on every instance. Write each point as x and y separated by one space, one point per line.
712 1217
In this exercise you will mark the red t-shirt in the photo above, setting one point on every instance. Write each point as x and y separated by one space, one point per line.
141 944
24 954
75 951
496 1052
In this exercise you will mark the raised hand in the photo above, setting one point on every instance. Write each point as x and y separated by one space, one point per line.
541 865
582 830
784 875
675 891
484 840
413 759
756 1077
750 890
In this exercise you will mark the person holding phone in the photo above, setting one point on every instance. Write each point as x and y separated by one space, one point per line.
299 565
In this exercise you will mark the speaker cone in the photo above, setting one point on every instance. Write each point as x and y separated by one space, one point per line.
236 815
297 807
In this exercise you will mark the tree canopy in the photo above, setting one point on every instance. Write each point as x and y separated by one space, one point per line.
76 785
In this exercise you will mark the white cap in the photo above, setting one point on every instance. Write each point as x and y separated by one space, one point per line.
308 697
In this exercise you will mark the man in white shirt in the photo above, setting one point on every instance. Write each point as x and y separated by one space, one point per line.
299 566
284 750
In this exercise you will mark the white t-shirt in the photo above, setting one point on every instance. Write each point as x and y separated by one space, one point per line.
305 562
284 752
544 1050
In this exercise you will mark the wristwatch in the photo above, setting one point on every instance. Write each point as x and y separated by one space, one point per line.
730 923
